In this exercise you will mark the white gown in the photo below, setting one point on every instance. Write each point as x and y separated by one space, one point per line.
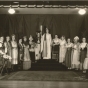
37 51
62 51
75 54
46 46
14 53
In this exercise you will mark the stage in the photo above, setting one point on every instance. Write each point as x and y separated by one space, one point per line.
45 76
48 65
46 70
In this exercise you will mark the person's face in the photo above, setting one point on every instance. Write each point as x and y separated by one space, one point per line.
47 31
20 40
75 40
2 38
7 38
56 36
13 38
41 28
62 38
30 38
68 40
25 39
84 40
38 34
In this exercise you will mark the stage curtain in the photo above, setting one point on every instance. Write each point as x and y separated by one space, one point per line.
27 24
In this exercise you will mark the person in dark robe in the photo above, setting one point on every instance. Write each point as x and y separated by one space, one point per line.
69 46
8 51
32 49
55 48
20 49
83 52
2 52
37 47
4 58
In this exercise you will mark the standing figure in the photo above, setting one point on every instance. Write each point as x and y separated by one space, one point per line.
14 53
75 54
37 47
32 48
46 42
62 49
2 52
55 48
26 58
83 52
68 53
8 50
20 49
41 34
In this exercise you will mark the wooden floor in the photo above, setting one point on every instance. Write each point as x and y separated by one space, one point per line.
42 84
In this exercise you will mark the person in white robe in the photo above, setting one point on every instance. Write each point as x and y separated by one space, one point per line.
26 54
14 53
46 42
75 54
62 49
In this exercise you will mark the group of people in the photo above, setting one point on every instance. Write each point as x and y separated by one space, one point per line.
29 50
73 54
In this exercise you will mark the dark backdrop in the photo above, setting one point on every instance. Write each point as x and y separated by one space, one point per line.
68 25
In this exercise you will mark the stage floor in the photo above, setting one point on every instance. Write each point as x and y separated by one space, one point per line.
42 84
46 76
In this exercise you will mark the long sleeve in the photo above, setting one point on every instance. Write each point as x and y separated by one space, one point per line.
5 47
50 39
42 40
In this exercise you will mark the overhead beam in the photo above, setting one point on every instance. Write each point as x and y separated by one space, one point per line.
43 0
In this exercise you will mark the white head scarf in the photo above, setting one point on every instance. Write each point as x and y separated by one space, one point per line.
76 38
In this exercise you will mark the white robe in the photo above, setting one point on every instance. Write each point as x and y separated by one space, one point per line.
75 55
37 52
14 53
62 51
46 46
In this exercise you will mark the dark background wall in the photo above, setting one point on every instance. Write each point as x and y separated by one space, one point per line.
26 24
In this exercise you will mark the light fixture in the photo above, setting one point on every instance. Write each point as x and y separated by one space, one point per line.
11 11
82 11
16 2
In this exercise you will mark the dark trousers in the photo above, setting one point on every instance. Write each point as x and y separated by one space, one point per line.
14 67
32 55
87 74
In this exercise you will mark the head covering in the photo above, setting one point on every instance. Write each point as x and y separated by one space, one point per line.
76 38
83 38
30 38
24 36
13 34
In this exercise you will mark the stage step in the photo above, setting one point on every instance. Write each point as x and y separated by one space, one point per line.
48 65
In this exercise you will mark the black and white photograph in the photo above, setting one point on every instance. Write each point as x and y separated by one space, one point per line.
43 43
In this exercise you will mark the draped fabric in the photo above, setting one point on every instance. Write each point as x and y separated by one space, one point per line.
14 53
61 24
46 46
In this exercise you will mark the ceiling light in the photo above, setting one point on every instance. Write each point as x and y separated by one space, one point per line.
82 11
15 2
11 11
